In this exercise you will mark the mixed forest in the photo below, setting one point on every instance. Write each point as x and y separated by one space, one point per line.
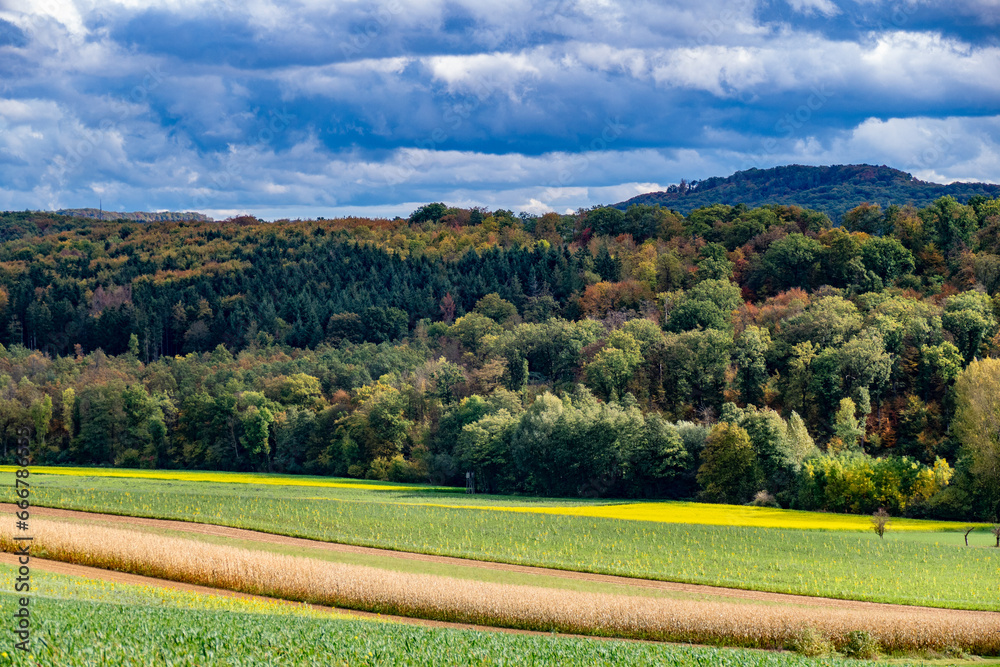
733 354
834 190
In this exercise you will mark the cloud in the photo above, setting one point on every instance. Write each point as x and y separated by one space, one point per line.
824 7
545 105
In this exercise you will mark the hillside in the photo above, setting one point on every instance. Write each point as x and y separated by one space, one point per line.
833 190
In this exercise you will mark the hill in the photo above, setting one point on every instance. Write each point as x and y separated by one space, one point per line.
833 190
138 216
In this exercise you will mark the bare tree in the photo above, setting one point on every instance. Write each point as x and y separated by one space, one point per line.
880 521
968 530
996 533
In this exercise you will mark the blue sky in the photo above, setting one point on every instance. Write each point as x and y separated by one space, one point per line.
320 108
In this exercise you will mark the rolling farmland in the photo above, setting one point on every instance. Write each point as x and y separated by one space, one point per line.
142 625
909 568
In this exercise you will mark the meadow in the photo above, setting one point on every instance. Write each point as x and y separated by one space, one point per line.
82 622
930 569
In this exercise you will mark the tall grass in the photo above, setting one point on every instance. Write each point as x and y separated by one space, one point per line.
443 598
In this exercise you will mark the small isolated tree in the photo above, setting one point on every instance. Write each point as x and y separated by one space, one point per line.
967 531
996 533
880 522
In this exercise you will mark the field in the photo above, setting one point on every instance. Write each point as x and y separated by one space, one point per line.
917 566
139 626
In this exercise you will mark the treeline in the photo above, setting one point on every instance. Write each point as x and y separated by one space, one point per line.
721 354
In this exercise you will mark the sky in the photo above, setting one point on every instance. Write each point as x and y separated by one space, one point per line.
326 108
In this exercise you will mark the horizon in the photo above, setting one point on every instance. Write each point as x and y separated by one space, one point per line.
219 215
373 108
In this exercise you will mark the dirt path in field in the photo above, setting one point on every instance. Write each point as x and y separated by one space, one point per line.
733 594
59 567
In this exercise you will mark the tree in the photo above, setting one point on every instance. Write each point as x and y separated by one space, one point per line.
792 261
607 220
887 258
41 417
707 305
299 389
867 218
612 368
256 424
749 352
970 319
977 426
428 213
385 324
729 472
880 521
846 426
472 328
499 310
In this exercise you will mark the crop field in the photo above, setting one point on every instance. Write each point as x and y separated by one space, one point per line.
660 512
842 564
83 622
506 605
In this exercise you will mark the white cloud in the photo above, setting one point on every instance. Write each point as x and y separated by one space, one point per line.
824 7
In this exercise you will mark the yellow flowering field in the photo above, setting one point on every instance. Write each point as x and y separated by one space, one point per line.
726 515
221 477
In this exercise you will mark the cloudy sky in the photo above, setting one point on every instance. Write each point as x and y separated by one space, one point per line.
324 107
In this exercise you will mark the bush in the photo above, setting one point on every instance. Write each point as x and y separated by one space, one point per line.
811 642
128 459
764 499
861 645
379 470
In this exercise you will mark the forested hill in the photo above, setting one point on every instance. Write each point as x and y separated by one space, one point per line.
726 354
833 190
138 216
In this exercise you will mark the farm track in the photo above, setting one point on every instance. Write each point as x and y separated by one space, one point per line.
731 594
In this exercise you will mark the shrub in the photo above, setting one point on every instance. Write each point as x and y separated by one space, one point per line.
811 642
861 645
130 458
764 499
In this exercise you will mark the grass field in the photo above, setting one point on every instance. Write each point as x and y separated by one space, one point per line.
915 567
84 623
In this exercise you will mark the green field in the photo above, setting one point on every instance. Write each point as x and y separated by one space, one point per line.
913 567
80 622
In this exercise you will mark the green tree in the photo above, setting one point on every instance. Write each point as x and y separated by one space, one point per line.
612 368
472 328
750 354
41 418
977 426
499 310
846 426
969 318
792 261
256 423
729 472
708 305
867 218
887 258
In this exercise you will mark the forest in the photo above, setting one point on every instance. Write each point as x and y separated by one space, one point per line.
834 190
733 354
